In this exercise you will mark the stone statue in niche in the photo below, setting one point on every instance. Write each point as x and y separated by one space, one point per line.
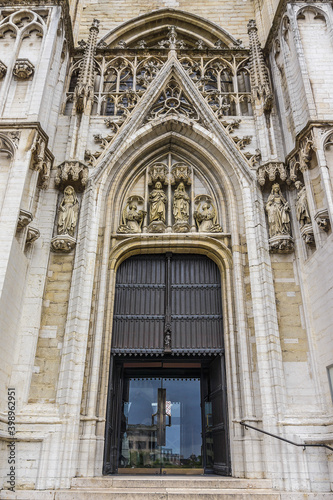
157 200
302 208
278 210
157 203
181 204
68 212
132 218
205 215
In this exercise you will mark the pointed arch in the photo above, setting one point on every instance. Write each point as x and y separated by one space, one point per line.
154 25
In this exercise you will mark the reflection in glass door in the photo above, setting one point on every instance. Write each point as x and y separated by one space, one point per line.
160 425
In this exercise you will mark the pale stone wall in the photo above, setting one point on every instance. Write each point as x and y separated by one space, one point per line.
232 16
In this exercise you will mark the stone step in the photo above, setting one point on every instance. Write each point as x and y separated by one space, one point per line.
153 482
166 494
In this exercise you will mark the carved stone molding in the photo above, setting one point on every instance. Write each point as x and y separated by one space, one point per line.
3 70
23 69
322 219
32 235
63 243
307 234
281 244
24 219
271 171
74 173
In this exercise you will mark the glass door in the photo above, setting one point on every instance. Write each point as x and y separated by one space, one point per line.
160 429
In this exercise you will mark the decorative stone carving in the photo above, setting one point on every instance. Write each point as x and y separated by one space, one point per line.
24 219
302 208
181 209
132 218
323 220
23 69
260 85
271 171
74 172
84 90
63 243
205 215
253 158
41 161
181 173
307 234
278 210
91 158
241 142
172 101
68 212
32 235
281 244
301 159
3 70
157 201
157 173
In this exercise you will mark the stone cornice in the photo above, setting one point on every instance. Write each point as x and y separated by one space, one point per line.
64 4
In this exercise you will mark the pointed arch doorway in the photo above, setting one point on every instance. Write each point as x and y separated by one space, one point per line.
167 404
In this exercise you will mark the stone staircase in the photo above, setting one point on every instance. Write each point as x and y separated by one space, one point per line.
168 488
164 488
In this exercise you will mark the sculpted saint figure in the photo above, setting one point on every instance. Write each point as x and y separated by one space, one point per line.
132 219
278 210
68 212
181 204
157 200
206 218
302 208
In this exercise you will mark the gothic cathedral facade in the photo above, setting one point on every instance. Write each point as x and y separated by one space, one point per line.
166 212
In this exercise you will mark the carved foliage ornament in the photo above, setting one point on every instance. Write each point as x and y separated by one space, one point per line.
3 70
23 69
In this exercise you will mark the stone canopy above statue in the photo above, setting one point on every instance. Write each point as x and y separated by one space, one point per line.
169 196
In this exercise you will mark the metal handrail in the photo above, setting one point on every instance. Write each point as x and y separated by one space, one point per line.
304 445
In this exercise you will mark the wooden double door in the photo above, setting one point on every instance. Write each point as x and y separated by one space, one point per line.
167 404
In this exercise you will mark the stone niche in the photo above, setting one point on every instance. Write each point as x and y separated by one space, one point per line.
170 195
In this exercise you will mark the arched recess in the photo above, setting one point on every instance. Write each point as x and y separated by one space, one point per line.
228 183
153 27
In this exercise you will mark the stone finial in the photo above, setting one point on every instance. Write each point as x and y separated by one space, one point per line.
84 90
260 85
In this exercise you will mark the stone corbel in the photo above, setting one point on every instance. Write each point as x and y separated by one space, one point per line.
157 173
63 243
32 235
74 173
271 171
307 234
323 220
23 69
281 244
3 70
24 219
